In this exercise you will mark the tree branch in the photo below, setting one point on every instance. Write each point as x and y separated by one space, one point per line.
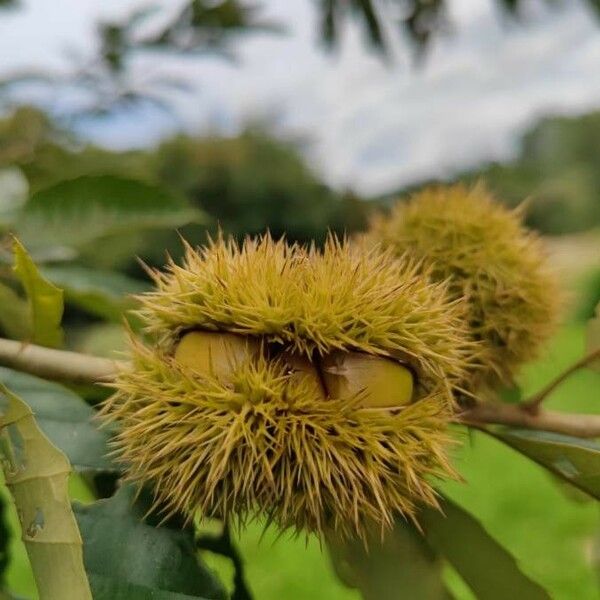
533 404
57 365
496 413
62 365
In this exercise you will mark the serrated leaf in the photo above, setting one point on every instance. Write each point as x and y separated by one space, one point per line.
403 561
45 300
593 338
574 460
76 213
102 293
67 421
126 557
485 566
36 473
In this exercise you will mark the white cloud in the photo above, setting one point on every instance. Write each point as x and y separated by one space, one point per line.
373 126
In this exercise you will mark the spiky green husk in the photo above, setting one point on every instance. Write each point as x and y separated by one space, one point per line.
266 445
312 301
492 261
268 439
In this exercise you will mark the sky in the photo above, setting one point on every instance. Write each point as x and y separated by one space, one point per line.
366 124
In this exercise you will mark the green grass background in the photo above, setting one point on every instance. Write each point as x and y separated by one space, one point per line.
552 533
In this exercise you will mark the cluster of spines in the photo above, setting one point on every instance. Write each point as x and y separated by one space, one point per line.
310 301
264 444
264 440
491 261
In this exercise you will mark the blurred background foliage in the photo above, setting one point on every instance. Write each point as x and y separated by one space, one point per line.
419 19
106 81
85 213
246 183
557 170
258 180
253 182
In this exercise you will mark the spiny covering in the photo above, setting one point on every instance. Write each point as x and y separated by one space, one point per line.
311 301
267 438
490 259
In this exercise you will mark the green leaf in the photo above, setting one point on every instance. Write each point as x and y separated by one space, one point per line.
572 459
76 213
36 474
67 421
484 565
107 588
14 189
4 595
128 558
98 292
593 337
45 300
5 535
14 316
387 570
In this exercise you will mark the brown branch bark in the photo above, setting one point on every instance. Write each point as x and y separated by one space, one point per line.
496 413
57 365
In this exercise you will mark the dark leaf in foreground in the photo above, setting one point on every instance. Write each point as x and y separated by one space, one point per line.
127 558
65 419
572 459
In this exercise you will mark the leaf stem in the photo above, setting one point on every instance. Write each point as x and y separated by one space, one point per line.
224 546
533 404
57 365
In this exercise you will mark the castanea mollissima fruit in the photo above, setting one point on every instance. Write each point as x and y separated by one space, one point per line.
492 261
309 387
